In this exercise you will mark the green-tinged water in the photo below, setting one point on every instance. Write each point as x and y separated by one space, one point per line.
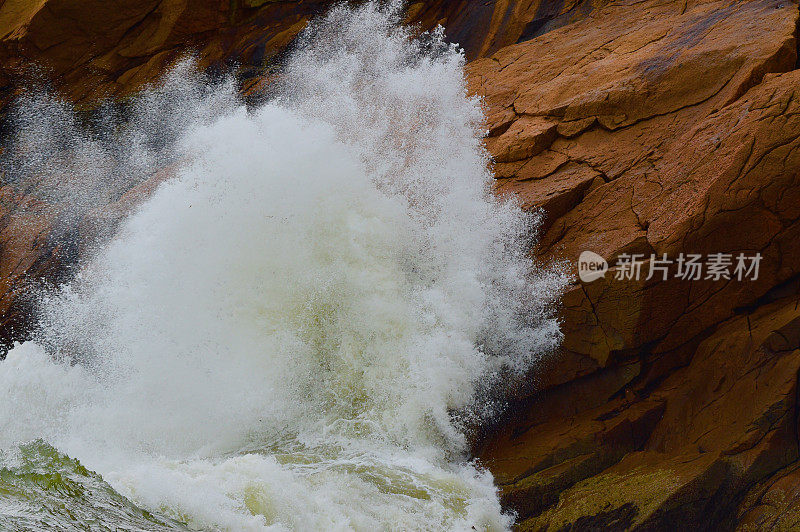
42 489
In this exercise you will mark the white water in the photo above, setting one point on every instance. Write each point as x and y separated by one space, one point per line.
299 328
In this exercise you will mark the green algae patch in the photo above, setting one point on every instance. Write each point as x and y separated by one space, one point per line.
643 487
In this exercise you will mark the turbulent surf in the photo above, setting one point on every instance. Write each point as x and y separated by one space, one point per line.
304 323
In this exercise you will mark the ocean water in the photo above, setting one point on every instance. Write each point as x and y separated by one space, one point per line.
304 324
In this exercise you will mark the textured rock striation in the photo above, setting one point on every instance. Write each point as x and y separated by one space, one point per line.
658 128
94 48
651 127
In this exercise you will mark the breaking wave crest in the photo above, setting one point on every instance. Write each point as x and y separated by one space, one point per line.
302 324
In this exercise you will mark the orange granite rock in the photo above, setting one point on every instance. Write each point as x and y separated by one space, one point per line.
95 48
677 131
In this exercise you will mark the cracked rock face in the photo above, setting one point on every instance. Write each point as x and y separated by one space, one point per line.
676 130
651 127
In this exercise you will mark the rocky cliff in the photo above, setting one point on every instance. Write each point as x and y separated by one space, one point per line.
658 128
649 128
